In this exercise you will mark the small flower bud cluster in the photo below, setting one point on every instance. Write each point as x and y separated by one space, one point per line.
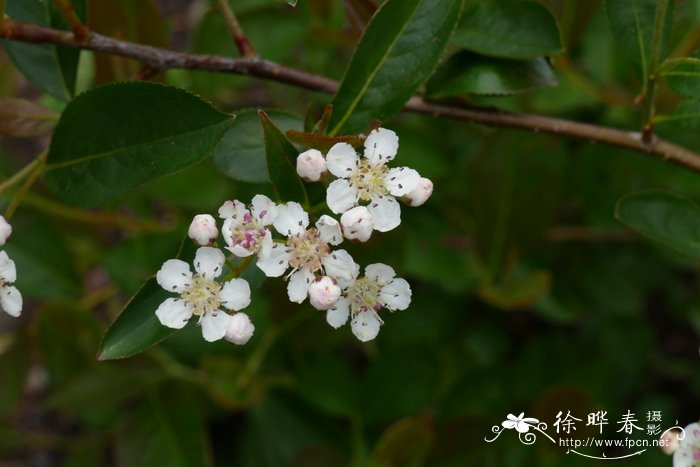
683 444
10 297
284 242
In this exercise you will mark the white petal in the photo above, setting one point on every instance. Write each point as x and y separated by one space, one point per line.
235 294
239 251
266 244
379 272
263 209
339 314
5 230
214 325
386 212
208 262
341 196
298 285
329 230
396 295
291 219
240 329
345 283
357 224
401 181
232 210
339 265
381 146
421 193
174 313
174 275
11 301
8 272
366 325
274 264
342 160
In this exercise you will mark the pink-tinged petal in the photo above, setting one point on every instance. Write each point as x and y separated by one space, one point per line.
174 313
381 146
298 285
8 272
342 160
174 275
214 325
366 325
274 264
291 219
263 209
379 272
401 181
339 314
396 295
341 196
11 301
209 262
235 294
386 213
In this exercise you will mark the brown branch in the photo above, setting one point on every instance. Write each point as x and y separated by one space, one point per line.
245 48
162 59
68 13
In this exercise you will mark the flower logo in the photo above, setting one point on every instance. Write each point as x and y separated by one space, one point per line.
520 423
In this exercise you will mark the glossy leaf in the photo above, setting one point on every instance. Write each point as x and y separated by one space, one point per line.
115 138
522 30
468 73
52 68
281 163
137 328
241 154
21 118
632 25
684 76
665 217
399 50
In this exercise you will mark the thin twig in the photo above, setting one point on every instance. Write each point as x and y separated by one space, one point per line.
245 48
165 59
68 13
19 176
33 175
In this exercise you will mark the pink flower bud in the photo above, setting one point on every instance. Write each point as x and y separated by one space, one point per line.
420 193
669 442
357 224
311 165
323 293
5 230
203 230
240 329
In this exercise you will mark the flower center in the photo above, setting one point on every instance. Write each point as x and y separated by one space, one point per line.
369 179
307 250
202 295
248 233
364 295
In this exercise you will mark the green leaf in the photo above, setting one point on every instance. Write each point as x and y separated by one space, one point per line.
114 138
632 25
665 217
137 328
468 73
15 362
405 443
521 30
281 163
683 76
241 154
52 68
21 118
398 51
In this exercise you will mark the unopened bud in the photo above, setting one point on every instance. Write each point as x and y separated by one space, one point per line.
240 329
311 165
357 224
420 193
203 230
5 230
324 293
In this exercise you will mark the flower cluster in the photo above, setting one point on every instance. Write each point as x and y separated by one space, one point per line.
684 445
10 298
284 242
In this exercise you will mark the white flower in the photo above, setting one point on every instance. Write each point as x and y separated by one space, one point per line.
311 165
200 294
245 230
5 230
357 224
420 193
688 452
363 297
520 423
305 251
10 298
203 229
324 292
240 329
368 179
